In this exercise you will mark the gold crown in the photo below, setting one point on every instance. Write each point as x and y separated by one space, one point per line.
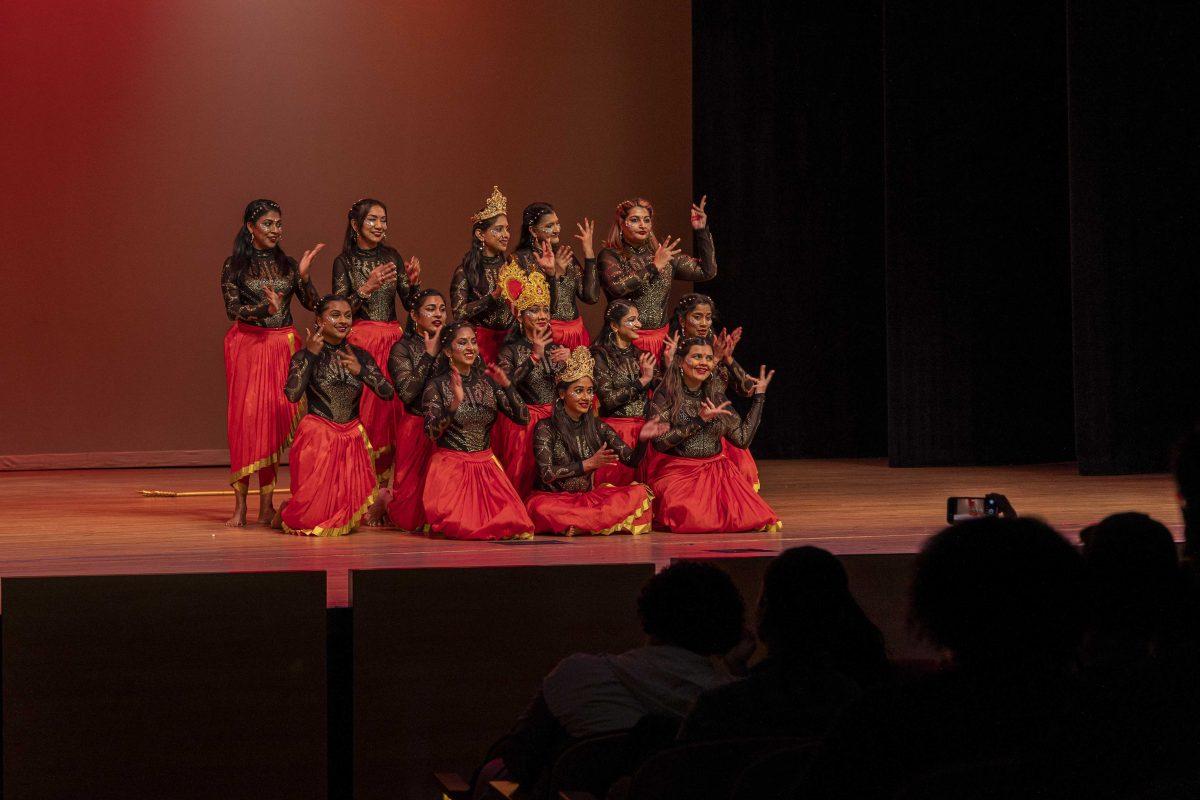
579 365
496 204
523 289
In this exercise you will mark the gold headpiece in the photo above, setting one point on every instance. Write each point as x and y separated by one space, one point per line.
523 289
496 204
579 365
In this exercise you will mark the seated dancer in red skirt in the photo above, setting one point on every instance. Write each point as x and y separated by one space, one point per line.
694 318
530 360
570 447
624 377
258 282
333 480
365 272
697 488
635 266
475 288
467 495
540 248
411 364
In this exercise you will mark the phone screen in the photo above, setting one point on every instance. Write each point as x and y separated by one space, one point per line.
960 508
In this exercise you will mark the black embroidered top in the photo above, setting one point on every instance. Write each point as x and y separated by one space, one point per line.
534 380
482 310
243 293
618 381
410 367
469 428
558 470
692 437
351 271
630 273
577 284
332 390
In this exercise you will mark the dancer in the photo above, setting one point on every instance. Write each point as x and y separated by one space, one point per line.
624 376
411 365
635 265
258 282
475 290
570 447
530 360
365 272
333 480
697 488
466 494
570 283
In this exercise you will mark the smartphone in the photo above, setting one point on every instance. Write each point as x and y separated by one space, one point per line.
960 508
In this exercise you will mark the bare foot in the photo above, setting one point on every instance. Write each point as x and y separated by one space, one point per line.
277 519
238 520
375 517
266 513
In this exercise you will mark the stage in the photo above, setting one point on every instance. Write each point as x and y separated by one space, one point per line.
95 522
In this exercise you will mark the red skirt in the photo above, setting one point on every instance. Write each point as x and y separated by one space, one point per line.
489 340
259 419
745 462
570 332
651 341
333 478
618 474
413 449
468 496
377 339
514 446
604 510
707 495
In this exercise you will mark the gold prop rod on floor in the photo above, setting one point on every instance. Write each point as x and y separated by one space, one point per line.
212 493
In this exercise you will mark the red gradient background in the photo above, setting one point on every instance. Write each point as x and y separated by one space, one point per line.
135 132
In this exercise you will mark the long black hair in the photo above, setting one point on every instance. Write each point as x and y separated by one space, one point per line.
243 242
567 427
410 327
529 218
355 216
672 383
685 306
472 262
616 311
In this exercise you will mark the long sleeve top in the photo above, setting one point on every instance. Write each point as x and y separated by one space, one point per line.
411 368
691 436
734 376
245 300
351 271
535 380
483 309
618 381
629 273
332 390
579 284
559 471
469 429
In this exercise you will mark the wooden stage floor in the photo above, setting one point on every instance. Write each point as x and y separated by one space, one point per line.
91 522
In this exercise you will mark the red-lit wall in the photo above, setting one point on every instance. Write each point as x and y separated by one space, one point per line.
135 132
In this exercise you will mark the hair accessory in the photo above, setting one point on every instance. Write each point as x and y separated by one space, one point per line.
496 204
580 364
523 289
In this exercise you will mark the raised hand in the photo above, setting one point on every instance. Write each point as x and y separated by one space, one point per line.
586 230
670 345
666 251
722 350
381 275
709 412
653 429
349 361
430 340
734 338
540 340
498 375
559 355
274 300
562 260
314 340
306 261
763 380
699 215
646 364
412 271
456 388
545 258
601 458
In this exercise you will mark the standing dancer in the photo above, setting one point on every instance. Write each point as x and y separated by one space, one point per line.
475 289
258 282
570 283
530 359
466 494
624 376
333 480
411 365
365 272
634 265
697 488
571 446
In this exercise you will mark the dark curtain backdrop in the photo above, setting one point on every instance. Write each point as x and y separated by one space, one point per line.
964 229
